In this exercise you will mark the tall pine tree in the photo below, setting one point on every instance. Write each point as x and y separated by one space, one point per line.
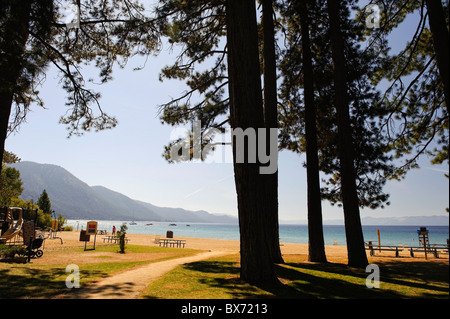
353 229
271 122
187 29
373 164
315 224
246 111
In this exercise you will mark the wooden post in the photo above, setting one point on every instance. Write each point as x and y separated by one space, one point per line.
29 249
371 249
379 240
425 245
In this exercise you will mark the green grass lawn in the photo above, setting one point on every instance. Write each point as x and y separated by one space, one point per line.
219 279
45 281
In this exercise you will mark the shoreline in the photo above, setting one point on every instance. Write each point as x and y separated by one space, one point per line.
390 235
334 253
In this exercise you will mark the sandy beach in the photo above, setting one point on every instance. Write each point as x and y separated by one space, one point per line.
335 253
71 239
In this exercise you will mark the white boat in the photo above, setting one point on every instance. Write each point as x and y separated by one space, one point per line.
132 223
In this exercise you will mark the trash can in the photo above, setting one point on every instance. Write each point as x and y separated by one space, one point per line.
169 234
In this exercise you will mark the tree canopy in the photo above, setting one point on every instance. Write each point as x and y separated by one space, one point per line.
416 93
35 35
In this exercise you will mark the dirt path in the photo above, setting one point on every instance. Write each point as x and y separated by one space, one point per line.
129 284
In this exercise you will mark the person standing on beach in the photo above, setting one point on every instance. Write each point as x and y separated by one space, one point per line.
114 230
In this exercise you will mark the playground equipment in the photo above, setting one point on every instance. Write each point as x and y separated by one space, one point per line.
54 231
18 227
13 227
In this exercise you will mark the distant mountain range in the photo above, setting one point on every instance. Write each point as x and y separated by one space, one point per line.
75 199
407 221
387 221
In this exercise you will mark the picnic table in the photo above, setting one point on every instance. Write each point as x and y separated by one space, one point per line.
113 239
166 242
102 232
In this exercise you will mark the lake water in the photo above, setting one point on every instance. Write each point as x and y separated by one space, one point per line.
390 235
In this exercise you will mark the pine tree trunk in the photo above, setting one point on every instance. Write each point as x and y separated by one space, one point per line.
315 224
246 112
271 121
5 111
12 45
439 31
355 240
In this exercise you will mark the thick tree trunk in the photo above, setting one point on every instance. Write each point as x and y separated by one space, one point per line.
13 39
5 111
271 121
246 112
315 224
355 240
439 31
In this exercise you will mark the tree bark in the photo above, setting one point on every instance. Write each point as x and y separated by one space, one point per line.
355 240
439 31
271 121
246 112
315 223
14 37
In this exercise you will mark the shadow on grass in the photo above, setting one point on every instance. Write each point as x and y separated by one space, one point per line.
23 282
225 276
328 281
398 280
116 291
422 275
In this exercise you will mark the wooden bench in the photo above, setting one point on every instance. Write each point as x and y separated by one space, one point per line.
432 249
372 248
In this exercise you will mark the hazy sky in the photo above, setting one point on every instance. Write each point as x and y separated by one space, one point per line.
128 158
